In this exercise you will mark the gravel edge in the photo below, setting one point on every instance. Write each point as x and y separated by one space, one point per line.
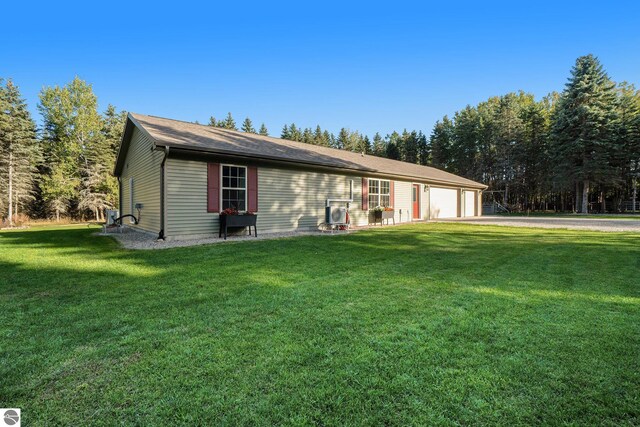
143 241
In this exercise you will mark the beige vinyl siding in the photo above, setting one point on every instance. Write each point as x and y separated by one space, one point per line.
287 199
186 204
403 207
143 165
290 200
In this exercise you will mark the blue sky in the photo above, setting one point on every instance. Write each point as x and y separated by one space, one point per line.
367 66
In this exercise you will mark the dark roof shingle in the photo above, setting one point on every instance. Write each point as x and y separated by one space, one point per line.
191 136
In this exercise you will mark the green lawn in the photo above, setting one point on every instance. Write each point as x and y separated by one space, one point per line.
411 325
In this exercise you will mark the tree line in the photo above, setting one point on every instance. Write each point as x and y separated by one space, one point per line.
407 146
578 150
64 168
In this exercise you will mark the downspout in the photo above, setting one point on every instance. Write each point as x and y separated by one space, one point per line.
119 195
161 236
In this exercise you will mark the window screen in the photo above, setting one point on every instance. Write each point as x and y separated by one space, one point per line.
234 187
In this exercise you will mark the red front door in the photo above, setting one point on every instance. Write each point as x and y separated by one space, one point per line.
416 201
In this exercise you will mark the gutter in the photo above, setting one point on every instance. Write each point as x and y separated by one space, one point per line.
161 235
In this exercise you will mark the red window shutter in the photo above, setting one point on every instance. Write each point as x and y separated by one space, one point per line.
252 189
213 187
365 194
391 194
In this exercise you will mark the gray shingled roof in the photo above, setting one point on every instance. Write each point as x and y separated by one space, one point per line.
191 136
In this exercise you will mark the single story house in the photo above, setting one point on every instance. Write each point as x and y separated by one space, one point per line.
178 176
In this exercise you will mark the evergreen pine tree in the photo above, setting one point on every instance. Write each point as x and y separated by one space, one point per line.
379 149
318 137
263 130
247 126
285 134
307 136
294 133
441 141
410 147
392 151
629 138
229 123
112 128
392 146
424 151
465 143
583 131
19 152
329 138
342 141
365 145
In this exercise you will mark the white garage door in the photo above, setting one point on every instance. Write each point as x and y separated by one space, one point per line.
469 203
443 203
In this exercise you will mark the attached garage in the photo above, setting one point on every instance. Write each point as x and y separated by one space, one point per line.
443 203
469 200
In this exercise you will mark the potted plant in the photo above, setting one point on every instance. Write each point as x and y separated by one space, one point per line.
232 218
380 213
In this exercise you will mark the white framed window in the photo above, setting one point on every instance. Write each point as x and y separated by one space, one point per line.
379 193
131 220
234 187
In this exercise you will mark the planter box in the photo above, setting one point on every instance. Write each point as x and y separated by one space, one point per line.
380 216
237 221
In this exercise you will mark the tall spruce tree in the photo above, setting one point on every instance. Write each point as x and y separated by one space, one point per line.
466 138
285 133
263 130
342 141
424 151
318 137
19 152
393 146
113 122
441 141
379 149
247 126
294 133
365 145
330 138
583 131
229 122
308 136
629 140
531 154
392 151
410 150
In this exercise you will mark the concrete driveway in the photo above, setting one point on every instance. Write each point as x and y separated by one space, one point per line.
575 223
